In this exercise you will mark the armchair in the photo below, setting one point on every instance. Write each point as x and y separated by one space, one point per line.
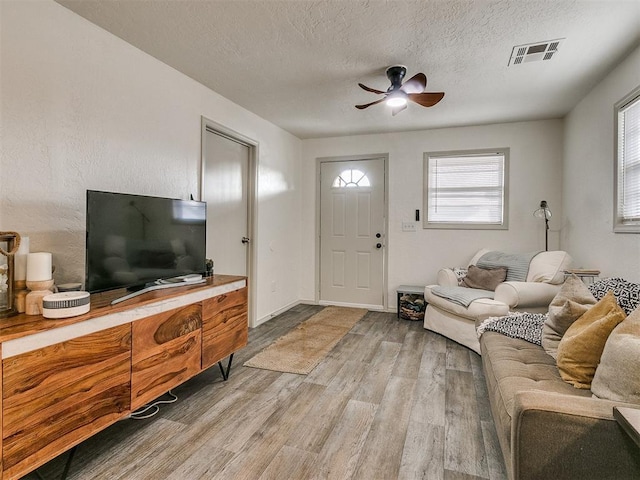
458 322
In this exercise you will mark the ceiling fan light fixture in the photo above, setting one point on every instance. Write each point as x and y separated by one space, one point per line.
396 100
399 94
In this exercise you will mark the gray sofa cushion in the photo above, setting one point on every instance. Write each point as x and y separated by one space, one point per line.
512 365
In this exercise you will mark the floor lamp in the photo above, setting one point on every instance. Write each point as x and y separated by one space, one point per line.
544 212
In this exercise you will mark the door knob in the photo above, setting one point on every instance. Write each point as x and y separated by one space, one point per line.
245 240
378 245
378 235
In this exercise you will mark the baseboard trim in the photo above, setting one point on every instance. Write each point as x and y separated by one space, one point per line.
374 308
275 313
266 318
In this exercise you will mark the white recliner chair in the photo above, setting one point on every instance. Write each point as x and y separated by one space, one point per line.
458 322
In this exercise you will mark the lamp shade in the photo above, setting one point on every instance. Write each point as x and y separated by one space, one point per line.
543 211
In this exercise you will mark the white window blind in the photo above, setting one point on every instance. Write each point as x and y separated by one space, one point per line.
628 165
466 190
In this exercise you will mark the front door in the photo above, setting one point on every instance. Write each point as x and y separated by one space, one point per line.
352 232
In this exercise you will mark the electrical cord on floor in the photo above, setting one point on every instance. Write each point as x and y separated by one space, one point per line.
141 413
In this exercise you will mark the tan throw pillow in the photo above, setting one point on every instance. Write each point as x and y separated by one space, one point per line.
618 375
581 346
571 302
484 278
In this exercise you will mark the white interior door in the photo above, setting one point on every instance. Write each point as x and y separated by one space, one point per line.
225 189
352 232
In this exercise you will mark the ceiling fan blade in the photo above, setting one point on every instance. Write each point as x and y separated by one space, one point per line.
397 110
415 84
361 107
369 89
426 99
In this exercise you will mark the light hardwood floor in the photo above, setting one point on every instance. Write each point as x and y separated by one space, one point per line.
390 401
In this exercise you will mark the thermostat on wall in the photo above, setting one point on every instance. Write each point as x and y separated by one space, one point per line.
65 304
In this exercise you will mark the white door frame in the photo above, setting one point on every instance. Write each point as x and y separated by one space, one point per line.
385 212
252 195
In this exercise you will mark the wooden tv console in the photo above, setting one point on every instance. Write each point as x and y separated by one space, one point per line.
64 380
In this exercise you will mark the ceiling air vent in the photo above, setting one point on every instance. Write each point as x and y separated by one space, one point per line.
534 52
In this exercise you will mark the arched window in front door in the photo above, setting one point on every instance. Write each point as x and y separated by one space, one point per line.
351 177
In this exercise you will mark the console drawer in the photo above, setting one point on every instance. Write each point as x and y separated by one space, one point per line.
224 326
166 351
57 396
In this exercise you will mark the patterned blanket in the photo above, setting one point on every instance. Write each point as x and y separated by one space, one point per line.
525 326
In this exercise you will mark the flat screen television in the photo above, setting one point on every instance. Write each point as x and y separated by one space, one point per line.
134 240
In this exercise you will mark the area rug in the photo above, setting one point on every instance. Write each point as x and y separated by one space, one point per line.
300 350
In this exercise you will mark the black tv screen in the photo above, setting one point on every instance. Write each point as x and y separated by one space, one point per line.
134 240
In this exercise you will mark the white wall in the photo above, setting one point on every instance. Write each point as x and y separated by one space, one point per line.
82 109
589 176
414 258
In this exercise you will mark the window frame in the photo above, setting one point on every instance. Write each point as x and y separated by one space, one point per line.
504 151
619 225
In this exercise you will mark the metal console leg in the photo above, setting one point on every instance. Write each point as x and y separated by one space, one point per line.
225 374
67 465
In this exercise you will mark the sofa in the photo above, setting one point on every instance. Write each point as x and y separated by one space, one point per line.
535 287
549 429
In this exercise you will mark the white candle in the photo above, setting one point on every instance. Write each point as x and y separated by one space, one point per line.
39 267
21 259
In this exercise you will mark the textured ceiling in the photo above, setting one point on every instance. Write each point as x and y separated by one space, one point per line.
297 63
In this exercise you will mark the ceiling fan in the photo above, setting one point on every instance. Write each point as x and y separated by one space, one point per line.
398 94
